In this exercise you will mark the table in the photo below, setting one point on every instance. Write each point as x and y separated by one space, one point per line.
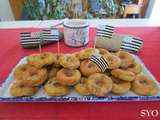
11 52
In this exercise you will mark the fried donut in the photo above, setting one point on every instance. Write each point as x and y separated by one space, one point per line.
69 61
68 76
55 89
135 68
20 70
103 51
99 84
143 85
42 59
82 88
30 76
86 53
113 61
123 74
126 59
119 86
88 67
19 90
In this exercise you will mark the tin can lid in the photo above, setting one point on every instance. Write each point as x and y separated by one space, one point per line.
75 23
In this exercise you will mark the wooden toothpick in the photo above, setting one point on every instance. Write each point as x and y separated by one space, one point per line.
40 48
94 43
58 47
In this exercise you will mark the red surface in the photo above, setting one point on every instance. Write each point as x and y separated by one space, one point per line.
11 52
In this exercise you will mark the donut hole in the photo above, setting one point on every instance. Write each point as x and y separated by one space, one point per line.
90 65
97 78
56 84
32 72
68 73
20 85
100 83
117 81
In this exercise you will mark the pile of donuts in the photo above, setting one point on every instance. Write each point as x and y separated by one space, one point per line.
59 73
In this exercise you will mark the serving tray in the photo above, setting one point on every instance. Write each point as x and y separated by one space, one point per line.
40 96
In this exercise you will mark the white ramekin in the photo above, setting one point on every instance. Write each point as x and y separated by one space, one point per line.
76 33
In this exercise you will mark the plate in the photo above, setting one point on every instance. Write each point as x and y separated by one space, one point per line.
40 96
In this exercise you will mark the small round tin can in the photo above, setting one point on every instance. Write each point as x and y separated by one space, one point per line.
76 33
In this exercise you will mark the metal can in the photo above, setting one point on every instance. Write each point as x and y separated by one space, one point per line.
76 33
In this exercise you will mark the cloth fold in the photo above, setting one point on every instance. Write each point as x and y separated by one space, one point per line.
106 38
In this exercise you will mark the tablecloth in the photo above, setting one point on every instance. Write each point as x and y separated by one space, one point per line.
11 52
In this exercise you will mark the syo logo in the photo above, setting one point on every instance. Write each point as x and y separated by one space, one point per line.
146 113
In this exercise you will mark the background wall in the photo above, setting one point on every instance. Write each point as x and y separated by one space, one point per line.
155 10
5 11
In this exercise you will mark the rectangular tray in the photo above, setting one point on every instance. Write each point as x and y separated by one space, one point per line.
40 96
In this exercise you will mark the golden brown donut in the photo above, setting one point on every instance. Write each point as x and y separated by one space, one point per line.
69 61
20 70
99 84
82 88
19 90
55 89
119 86
135 68
126 59
31 76
143 85
86 53
88 67
113 61
68 76
42 59
123 74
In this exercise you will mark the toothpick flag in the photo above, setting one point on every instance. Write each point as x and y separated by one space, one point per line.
33 39
105 31
100 61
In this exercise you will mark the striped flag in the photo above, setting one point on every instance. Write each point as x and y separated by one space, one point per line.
30 38
33 39
105 31
131 44
100 61
50 35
